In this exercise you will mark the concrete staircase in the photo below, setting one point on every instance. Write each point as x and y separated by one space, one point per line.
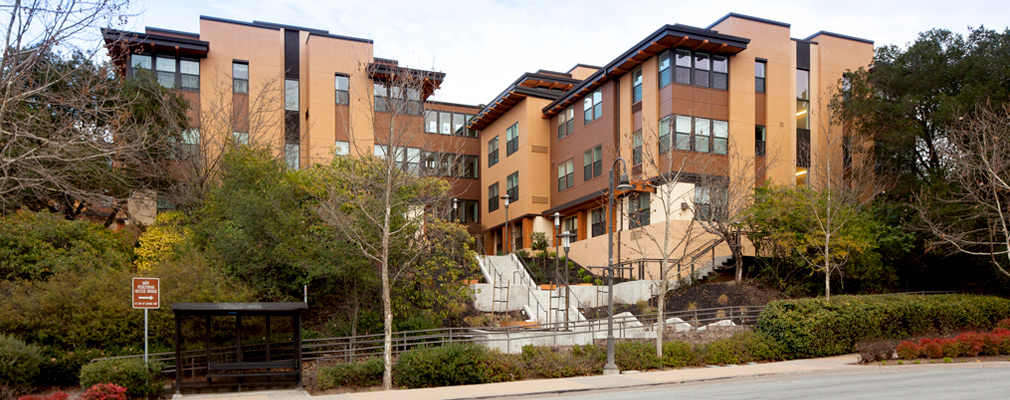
512 288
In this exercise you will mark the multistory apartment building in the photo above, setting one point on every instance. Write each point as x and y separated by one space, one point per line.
741 96
306 93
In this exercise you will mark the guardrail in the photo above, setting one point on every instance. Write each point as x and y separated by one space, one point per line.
350 348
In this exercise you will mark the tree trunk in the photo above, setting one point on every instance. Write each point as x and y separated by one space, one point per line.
827 269
387 330
661 307
738 259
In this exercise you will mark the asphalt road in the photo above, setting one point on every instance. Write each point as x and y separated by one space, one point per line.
964 382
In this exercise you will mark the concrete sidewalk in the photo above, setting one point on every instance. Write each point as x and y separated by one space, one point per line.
545 387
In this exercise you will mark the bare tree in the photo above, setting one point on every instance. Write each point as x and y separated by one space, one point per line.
72 135
657 161
972 216
226 119
380 202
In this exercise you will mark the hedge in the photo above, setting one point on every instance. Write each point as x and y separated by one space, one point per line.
20 363
448 365
816 328
352 374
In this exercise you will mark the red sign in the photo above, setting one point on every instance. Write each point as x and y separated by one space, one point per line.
145 293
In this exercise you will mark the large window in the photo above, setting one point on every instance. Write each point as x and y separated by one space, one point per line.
802 99
170 71
396 99
592 107
699 134
241 137
592 163
566 174
492 197
636 86
512 186
636 147
512 139
760 71
492 151
240 77
639 213
290 95
702 203
448 123
341 89
694 68
468 211
599 222
566 123
759 140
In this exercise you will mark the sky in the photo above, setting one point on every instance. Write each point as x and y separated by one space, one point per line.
483 45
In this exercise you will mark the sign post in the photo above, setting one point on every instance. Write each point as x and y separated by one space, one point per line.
146 295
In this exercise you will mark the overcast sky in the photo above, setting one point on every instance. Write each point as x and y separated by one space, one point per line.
482 46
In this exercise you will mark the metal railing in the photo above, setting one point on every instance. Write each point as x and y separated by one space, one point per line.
640 265
349 348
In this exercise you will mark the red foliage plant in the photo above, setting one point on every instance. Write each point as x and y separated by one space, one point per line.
104 391
51 396
967 344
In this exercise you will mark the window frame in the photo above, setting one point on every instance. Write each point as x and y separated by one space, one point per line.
598 222
592 107
760 76
512 186
237 82
665 133
492 154
665 75
592 162
341 97
638 214
571 224
636 147
492 197
512 144
566 174
636 86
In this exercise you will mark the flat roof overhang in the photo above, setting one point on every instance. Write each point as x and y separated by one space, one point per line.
119 42
669 36
387 72
545 86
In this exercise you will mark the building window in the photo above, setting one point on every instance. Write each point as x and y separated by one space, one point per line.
636 147
379 150
412 163
592 163
720 136
189 148
341 148
566 174
381 94
592 107
702 134
665 73
720 72
512 186
683 129
492 197
760 68
446 123
566 123
571 224
290 95
292 155
512 139
240 77
683 66
759 140
701 69
431 121
702 203
636 86
342 89
166 71
139 62
241 138
471 211
189 74
638 210
492 151
664 133
599 222
802 99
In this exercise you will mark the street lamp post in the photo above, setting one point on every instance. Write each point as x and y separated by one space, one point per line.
567 239
505 246
557 235
623 185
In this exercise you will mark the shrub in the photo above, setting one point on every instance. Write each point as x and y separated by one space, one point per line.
19 362
678 354
130 373
742 348
1003 323
816 328
909 350
875 350
59 395
352 374
504 367
448 365
639 356
548 362
104 391
62 368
